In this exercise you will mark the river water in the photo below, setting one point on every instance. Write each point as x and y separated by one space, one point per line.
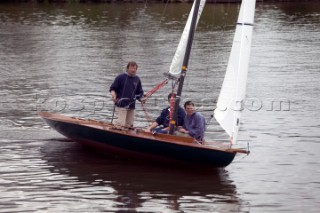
63 58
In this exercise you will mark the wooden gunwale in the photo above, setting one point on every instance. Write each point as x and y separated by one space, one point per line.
135 132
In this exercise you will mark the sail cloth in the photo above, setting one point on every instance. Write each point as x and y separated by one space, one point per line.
176 64
232 94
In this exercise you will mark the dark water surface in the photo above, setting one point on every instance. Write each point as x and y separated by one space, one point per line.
63 58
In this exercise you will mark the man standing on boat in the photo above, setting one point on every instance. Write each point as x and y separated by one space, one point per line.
125 90
194 123
161 125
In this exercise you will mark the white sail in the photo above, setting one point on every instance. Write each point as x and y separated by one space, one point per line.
176 64
232 95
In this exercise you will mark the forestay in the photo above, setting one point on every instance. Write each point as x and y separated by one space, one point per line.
232 94
176 64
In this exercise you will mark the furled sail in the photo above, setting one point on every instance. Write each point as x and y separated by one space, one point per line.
232 94
176 64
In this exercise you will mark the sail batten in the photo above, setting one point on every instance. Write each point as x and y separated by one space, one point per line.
233 90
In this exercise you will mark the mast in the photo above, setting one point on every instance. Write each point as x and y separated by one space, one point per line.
184 67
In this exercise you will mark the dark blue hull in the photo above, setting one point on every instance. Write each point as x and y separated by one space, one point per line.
133 144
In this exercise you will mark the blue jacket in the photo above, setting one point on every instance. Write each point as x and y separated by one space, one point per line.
164 117
128 89
196 125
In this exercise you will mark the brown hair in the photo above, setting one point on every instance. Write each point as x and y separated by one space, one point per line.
188 103
173 95
132 63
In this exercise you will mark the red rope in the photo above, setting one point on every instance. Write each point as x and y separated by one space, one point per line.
148 94
149 119
159 86
171 107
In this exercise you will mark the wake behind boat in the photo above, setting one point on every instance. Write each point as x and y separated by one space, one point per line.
136 143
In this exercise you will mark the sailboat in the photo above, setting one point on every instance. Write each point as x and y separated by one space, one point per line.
168 148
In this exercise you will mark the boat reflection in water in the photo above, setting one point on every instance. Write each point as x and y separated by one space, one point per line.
137 186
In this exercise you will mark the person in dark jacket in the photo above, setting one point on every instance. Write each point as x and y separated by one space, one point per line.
125 90
161 125
194 123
